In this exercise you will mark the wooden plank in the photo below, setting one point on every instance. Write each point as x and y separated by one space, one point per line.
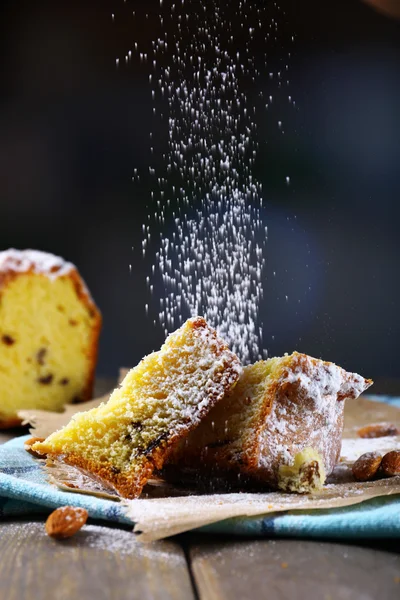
287 569
99 562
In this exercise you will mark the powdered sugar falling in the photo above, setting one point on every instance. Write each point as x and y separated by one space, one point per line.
206 202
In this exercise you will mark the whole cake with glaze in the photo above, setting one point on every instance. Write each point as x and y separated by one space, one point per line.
284 412
49 332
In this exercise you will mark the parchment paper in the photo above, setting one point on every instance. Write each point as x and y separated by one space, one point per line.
163 510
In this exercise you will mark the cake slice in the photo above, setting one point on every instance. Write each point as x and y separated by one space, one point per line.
159 402
281 426
49 332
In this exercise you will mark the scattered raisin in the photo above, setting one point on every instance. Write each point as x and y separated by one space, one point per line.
73 322
64 381
137 425
40 356
156 443
309 472
8 340
46 379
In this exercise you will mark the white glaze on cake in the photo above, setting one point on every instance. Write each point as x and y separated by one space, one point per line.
44 263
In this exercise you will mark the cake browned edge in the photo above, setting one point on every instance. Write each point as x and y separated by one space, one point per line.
216 461
10 271
129 485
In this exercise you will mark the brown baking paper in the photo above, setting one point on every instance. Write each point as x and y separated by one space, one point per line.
164 510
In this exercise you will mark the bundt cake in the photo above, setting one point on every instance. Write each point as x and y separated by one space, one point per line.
279 409
158 403
49 330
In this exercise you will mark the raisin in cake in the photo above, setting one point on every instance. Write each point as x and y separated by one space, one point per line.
282 424
159 402
49 330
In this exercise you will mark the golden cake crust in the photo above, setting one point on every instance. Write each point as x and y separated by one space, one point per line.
16 263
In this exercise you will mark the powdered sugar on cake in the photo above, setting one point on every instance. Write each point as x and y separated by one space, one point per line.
307 411
44 263
218 370
327 379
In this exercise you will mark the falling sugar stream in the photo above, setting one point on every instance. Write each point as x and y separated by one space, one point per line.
206 203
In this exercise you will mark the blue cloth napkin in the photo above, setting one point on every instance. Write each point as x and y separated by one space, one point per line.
25 490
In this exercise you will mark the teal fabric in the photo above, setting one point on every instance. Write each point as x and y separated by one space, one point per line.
25 490
377 518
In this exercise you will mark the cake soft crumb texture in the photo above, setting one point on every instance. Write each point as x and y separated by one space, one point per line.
157 404
49 331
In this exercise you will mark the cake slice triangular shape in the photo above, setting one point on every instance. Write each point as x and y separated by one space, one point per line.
284 412
159 402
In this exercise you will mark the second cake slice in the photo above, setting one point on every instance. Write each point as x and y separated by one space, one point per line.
158 403
281 426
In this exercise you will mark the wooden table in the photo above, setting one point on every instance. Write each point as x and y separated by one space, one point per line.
107 562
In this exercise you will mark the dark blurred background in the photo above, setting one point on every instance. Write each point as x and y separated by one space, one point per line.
73 127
